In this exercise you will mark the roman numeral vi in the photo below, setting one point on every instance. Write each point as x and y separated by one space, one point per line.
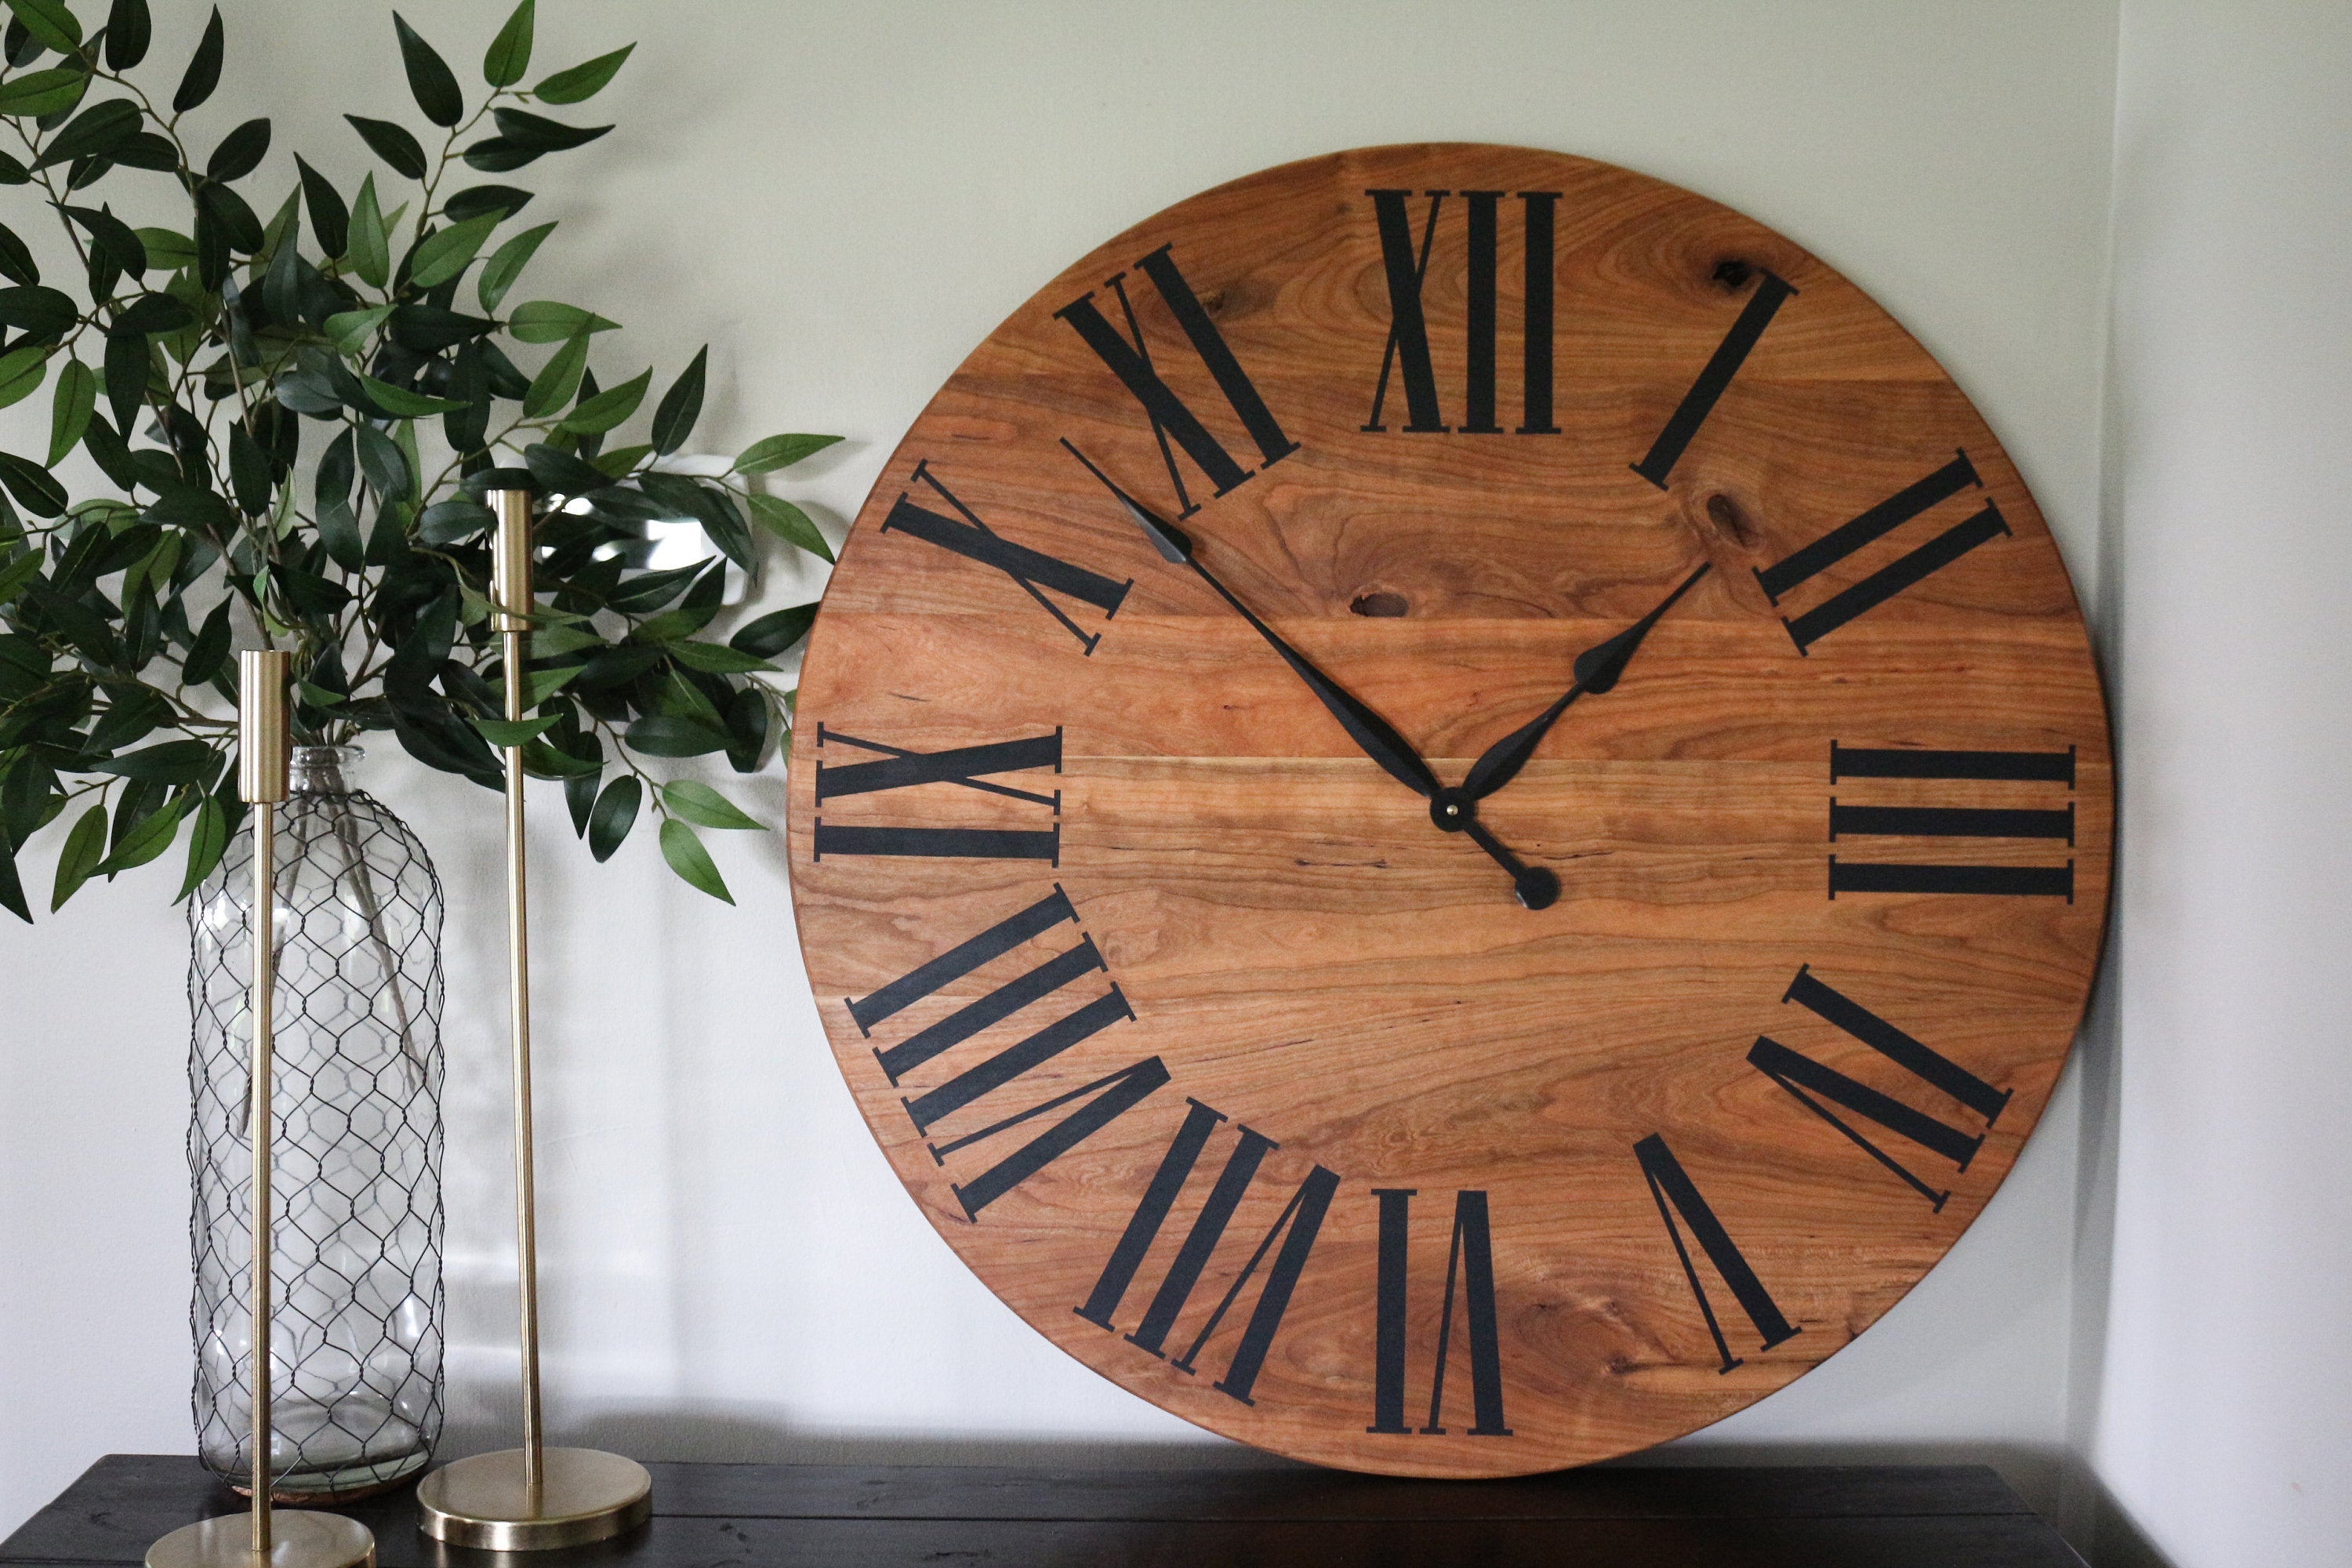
1470 1259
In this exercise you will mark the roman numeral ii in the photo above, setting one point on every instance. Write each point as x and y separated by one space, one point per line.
1097 1103
1295 1229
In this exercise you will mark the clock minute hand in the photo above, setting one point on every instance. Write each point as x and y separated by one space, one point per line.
1371 733
1597 669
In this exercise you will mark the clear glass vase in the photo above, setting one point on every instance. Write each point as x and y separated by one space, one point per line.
356 1350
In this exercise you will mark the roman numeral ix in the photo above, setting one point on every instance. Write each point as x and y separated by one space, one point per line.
1470 1259
1817 1087
1035 571
1676 1194
1407 356
902 768
1097 1104
1294 1230
1850 820
1173 423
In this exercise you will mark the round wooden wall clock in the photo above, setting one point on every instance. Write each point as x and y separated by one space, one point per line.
1451 812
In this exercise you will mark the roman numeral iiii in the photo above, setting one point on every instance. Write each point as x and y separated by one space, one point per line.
1174 425
903 768
1295 1229
1470 1260
1097 1104
1407 357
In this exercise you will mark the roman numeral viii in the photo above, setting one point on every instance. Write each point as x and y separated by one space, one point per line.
1849 818
1295 1229
1407 354
1471 1259
1817 1087
1129 356
1675 1194
901 768
1097 1104
1802 565
1033 570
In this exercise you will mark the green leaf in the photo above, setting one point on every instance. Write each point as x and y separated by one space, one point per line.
146 840
453 521
69 408
203 71
98 129
681 406
16 263
614 812
507 263
446 253
240 152
496 155
85 847
209 655
430 79
152 314
550 322
706 807
605 410
539 685
510 52
402 403
22 371
535 134
543 760
167 248
17 572
42 311
582 81
791 524
691 861
36 489
664 735
780 452
620 461
12 890
476 200
42 92
128 31
191 506
503 733
49 21
774 633
371 251
207 841
330 221
547 642
558 380
117 239
717 658
392 143
350 329
171 762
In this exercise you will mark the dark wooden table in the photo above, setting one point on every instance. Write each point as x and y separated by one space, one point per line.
867 1516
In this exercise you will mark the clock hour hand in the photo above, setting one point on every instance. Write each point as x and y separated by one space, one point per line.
1597 669
1371 733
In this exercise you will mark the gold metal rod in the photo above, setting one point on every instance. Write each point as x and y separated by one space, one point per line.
512 593
261 780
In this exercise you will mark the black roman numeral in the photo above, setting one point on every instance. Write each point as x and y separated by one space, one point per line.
1849 819
901 768
1034 570
1983 526
1472 1260
1407 355
1097 1103
1812 1084
1296 1229
1699 402
1676 1193
1130 358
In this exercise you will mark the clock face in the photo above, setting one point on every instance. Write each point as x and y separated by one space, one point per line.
1253 987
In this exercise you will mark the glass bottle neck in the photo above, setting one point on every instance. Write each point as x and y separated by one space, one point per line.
322 770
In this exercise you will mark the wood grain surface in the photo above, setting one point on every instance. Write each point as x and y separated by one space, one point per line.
1355 996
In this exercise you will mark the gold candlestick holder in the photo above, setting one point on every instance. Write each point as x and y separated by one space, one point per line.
268 1537
531 1497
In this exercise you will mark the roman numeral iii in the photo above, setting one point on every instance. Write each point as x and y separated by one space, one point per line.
1406 356
1097 1103
1799 566
1850 820
1817 1087
1295 1229
1676 1194
1470 1260
1129 357
1033 570
968 766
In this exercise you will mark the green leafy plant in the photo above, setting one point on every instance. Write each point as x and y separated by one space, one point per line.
296 420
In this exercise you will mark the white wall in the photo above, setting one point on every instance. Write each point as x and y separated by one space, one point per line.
2220 1422
844 199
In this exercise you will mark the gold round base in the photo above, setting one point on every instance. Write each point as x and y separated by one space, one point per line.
585 1494
298 1538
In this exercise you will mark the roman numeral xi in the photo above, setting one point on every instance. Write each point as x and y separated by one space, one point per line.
1089 1108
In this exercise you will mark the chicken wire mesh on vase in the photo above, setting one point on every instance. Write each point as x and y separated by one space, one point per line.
357 1344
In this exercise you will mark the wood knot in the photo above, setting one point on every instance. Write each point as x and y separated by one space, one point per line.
1730 522
1733 274
1381 603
